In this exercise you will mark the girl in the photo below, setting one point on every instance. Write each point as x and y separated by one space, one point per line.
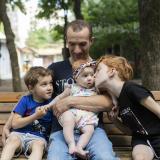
137 108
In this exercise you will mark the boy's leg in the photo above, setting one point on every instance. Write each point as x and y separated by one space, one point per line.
100 147
58 149
68 122
142 151
87 132
37 149
13 143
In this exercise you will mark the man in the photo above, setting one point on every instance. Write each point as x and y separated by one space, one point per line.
79 40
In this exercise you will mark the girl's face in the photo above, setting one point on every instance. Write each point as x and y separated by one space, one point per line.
43 89
86 78
101 75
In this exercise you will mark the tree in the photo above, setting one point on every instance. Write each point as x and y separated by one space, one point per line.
150 42
11 46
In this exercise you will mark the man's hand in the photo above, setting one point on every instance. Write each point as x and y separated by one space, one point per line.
5 134
61 106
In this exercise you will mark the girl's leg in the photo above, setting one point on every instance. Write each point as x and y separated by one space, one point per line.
142 152
13 143
87 132
68 122
37 149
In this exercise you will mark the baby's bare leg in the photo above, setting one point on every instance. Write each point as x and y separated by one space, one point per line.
87 132
37 149
68 122
13 143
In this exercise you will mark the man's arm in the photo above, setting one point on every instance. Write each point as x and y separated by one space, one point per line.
92 103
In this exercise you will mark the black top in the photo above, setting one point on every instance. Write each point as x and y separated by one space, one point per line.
62 73
134 115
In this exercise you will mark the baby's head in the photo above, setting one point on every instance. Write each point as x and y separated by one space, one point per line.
120 64
39 82
83 73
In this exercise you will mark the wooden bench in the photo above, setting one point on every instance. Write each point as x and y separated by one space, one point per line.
121 141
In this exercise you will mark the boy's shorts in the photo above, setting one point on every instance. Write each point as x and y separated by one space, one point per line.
26 140
152 141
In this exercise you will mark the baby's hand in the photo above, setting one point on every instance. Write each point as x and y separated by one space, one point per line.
40 112
113 114
46 107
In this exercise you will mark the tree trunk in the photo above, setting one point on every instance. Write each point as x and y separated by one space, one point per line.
77 9
11 47
149 11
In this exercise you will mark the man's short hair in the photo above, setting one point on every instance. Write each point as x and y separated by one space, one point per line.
78 25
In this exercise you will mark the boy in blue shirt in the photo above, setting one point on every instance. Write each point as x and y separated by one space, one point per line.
31 122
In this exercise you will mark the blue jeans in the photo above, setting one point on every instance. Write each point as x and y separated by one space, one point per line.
99 147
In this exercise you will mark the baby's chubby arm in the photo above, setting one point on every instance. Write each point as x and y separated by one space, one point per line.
64 94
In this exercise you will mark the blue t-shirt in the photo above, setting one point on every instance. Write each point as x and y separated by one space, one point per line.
40 127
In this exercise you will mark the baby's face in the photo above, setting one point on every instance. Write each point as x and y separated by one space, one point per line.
86 78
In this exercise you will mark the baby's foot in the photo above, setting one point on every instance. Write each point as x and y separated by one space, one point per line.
72 148
81 152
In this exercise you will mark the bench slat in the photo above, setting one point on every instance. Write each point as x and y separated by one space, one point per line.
6 97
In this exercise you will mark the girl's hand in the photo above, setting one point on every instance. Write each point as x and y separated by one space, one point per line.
113 114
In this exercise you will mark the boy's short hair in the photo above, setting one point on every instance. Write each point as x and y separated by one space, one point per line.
31 77
125 70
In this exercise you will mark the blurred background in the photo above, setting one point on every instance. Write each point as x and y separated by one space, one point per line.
32 33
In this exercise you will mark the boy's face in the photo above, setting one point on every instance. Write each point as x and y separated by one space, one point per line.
86 78
101 75
43 89
78 43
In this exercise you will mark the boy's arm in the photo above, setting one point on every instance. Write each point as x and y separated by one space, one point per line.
151 105
18 121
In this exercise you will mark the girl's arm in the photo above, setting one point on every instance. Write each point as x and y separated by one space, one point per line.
113 116
121 126
18 121
151 105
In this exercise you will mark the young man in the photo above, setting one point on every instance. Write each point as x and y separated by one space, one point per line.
79 40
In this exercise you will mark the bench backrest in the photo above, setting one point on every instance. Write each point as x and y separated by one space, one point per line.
9 99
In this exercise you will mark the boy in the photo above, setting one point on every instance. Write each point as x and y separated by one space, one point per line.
31 122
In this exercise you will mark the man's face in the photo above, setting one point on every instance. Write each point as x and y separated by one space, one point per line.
79 43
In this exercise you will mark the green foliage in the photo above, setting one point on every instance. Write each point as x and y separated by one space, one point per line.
115 26
17 3
39 38
57 33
